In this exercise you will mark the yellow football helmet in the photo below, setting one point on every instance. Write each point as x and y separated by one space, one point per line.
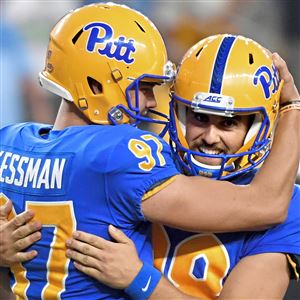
226 75
111 45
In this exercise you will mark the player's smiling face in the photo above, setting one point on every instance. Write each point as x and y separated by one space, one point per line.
212 134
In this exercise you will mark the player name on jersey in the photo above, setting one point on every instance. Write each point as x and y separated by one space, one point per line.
32 172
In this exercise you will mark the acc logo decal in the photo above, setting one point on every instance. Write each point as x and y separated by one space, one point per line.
214 99
267 79
120 49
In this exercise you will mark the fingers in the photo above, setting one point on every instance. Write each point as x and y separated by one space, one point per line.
102 271
21 219
91 239
25 256
5 209
23 243
92 272
87 270
282 68
112 263
11 255
89 243
84 258
26 230
118 235
79 250
289 91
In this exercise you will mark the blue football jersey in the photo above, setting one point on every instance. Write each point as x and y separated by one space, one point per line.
79 178
199 263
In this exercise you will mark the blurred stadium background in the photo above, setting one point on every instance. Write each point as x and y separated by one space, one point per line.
25 26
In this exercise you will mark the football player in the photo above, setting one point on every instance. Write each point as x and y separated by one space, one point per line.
221 121
93 167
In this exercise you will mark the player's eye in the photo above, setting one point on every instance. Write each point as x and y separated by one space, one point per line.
230 122
146 88
201 117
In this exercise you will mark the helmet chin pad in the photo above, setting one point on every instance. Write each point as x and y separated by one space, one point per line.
211 171
254 128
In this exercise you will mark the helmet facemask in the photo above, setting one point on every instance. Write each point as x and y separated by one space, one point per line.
133 108
255 148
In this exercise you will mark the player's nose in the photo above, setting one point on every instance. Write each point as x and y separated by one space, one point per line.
211 135
151 101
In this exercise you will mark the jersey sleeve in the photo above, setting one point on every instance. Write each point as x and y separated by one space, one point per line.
139 164
284 238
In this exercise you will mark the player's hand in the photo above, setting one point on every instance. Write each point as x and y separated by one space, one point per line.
16 235
113 263
289 90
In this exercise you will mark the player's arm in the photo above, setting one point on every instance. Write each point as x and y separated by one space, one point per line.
5 290
164 288
16 235
262 276
116 264
197 203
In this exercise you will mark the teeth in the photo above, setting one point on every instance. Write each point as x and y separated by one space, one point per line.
210 151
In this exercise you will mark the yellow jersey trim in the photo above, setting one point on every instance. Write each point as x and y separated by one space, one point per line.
158 188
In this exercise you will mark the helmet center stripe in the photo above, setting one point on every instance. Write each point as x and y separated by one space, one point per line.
220 63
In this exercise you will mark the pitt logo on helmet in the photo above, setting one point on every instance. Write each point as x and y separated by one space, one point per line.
266 78
120 49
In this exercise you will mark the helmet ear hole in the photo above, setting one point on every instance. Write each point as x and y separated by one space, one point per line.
95 86
140 26
77 35
251 60
198 52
